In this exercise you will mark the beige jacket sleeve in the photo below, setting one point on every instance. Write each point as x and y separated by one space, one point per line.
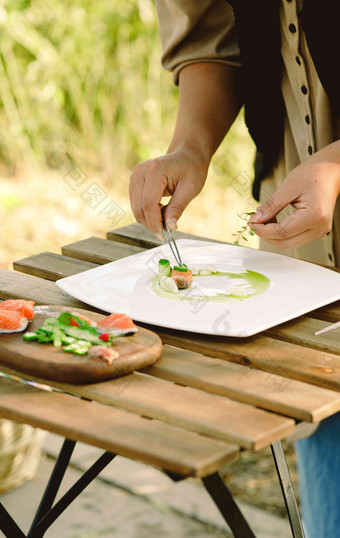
196 31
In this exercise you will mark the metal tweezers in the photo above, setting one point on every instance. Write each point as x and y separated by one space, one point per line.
172 244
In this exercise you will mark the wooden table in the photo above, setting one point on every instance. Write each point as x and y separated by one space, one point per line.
191 413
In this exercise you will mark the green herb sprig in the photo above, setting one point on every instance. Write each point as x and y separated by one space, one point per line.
240 235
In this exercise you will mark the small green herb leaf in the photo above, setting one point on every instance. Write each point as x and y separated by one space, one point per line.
240 235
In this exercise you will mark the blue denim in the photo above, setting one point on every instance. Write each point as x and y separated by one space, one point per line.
318 459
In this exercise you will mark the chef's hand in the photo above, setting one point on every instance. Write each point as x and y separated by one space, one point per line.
312 189
180 174
207 107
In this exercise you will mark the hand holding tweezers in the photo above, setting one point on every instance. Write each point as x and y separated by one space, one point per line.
172 243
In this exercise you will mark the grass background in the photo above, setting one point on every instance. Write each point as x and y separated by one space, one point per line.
82 92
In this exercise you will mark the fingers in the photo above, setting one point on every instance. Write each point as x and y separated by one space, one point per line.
179 174
136 187
293 242
179 201
152 194
285 195
147 187
293 231
288 227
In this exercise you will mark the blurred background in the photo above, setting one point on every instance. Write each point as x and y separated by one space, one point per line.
83 99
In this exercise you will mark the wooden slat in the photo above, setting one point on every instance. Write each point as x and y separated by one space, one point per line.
264 353
136 234
100 251
19 286
286 359
187 407
117 431
329 313
51 266
302 331
282 395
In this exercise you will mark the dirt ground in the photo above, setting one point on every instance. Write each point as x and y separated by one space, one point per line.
253 479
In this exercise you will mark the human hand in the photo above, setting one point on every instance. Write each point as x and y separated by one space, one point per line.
180 174
312 189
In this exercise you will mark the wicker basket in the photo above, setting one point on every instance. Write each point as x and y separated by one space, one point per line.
20 451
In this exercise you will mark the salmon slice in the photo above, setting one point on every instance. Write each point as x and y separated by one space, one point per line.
117 325
12 321
103 352
19 305
183 279
84 318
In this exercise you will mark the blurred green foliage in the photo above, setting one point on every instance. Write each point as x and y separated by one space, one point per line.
84 75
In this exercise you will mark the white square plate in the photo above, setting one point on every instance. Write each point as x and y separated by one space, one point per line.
296 287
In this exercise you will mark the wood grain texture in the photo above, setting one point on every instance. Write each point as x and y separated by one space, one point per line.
278 357
136 234
264 353
18 286
99 251
186 407
282 395
302 331
193 409
52 266
329 313
295 399
117 431
49 362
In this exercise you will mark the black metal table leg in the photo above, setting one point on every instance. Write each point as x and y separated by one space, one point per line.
8 525
227 506
43 524
54 482
287 490
46 514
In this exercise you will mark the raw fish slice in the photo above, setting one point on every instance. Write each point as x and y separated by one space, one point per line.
117 325
183 279
103 352
20 305
84 318
12 321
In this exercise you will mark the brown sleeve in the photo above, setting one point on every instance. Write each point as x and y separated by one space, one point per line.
196 31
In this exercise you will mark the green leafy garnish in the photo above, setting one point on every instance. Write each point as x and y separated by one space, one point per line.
73 333
164 268
80 347
240 235
182 268
30 337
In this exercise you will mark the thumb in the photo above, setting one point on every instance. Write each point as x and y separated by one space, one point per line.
271 207
179 201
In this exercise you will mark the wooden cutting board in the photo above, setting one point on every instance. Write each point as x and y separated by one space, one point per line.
142 349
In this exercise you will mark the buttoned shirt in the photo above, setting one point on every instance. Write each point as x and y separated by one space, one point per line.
203 31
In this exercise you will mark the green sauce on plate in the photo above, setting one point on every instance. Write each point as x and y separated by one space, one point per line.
213 287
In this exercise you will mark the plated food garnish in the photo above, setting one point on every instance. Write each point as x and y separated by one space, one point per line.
72 332
206 282
81 335
182 277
